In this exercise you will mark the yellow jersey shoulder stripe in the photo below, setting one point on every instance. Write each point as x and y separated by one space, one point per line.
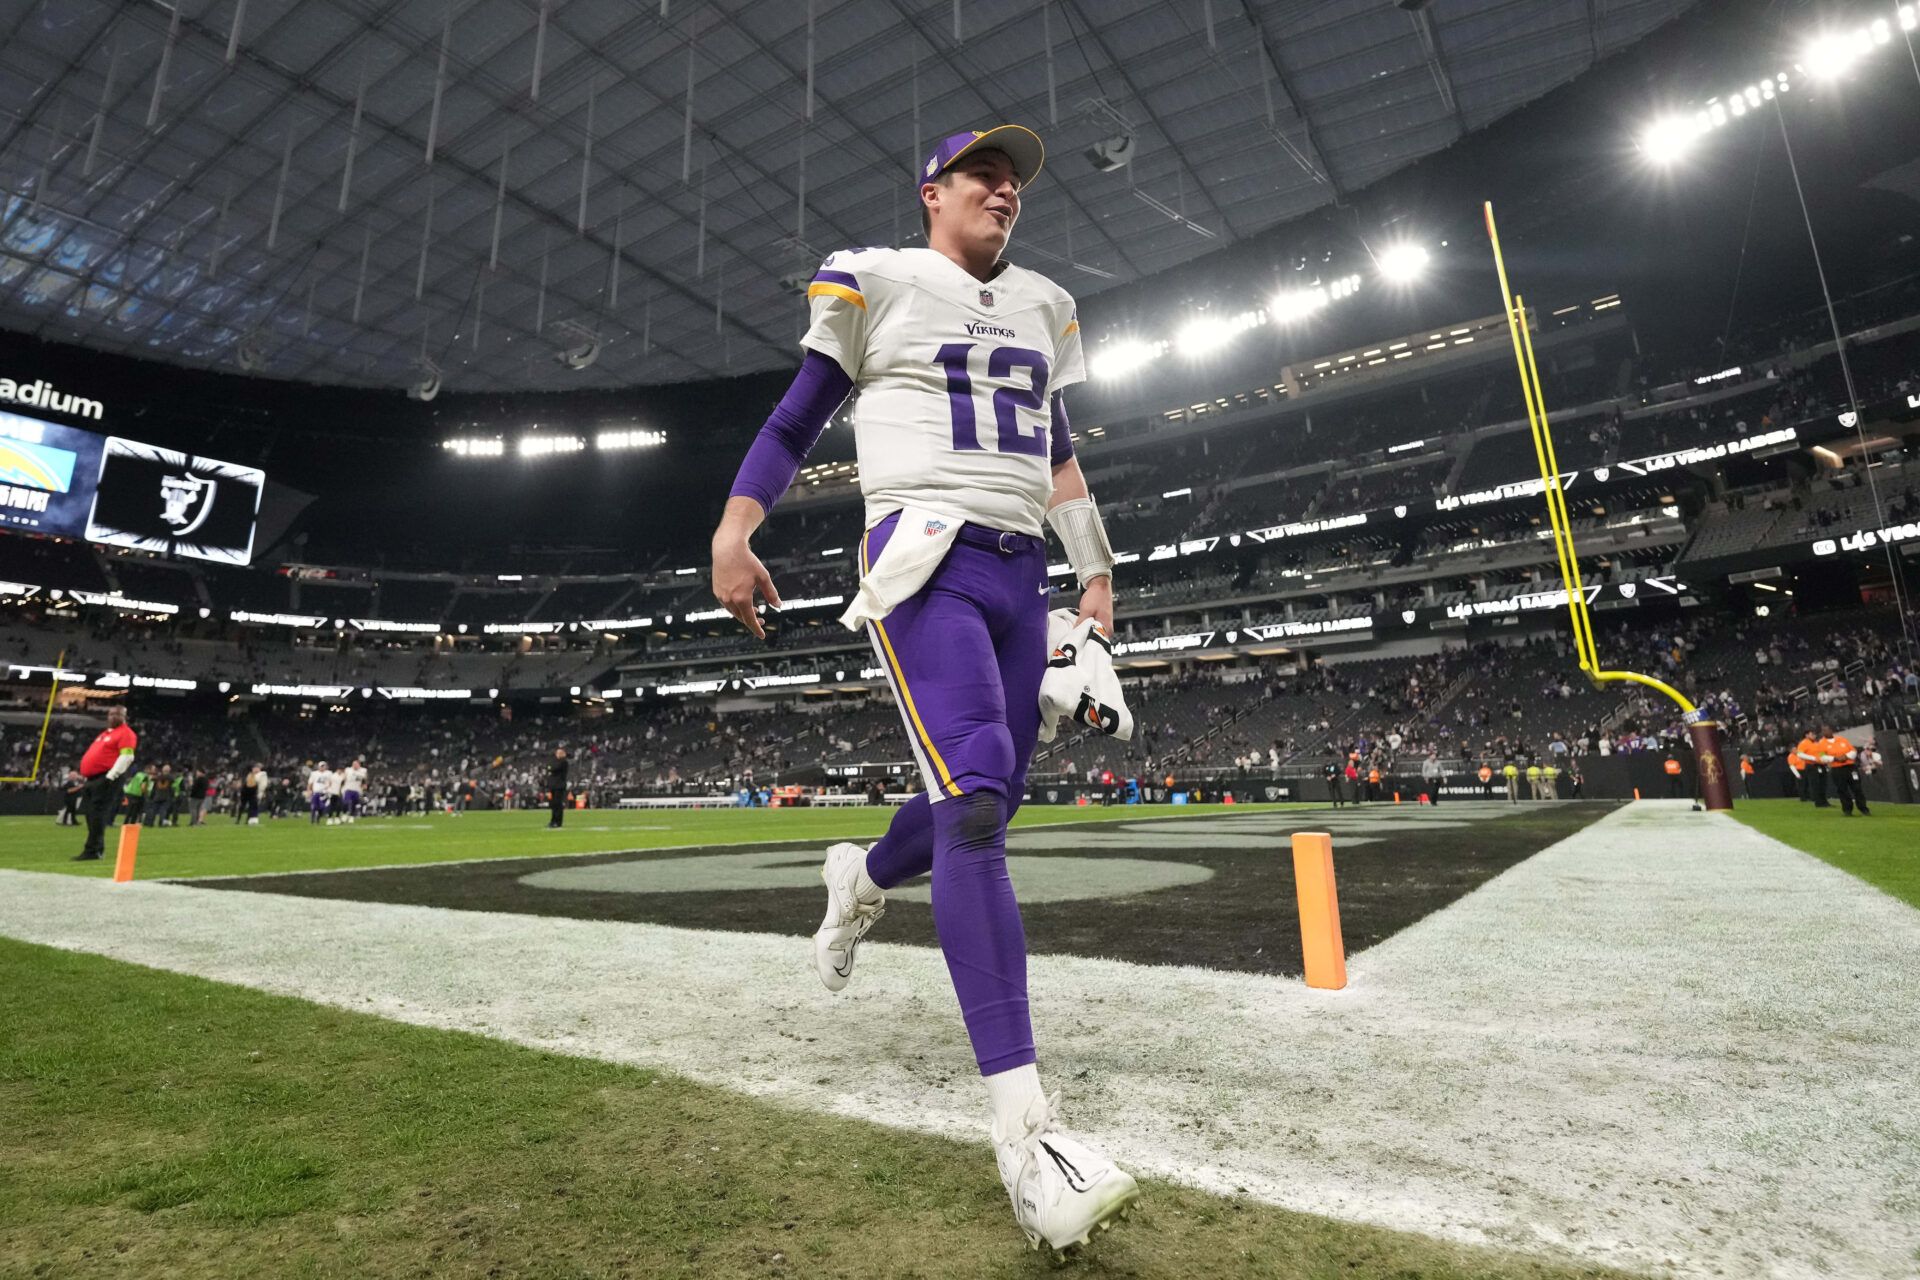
839 291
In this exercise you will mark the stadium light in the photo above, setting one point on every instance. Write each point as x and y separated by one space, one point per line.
1830 56
635 438
1296 304
475 448
1124 358
545 446
1404 263
1204 335
1671 137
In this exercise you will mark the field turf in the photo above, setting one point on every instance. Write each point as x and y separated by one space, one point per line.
166 1125
287 844
1396 867
1883 850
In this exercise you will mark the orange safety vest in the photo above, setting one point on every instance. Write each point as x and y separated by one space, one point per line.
1486 773
1673 767
1840 749
1373 775
1746 766
1807 754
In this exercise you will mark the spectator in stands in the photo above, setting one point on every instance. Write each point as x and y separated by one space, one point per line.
136 792
161 797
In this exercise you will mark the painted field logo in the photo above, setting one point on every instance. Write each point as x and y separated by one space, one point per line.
39 395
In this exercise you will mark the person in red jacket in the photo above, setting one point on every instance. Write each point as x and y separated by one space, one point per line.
109 756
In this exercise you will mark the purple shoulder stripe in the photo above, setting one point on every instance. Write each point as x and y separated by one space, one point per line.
836 277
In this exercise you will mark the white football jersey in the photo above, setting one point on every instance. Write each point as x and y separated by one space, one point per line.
320 782
953 377
353 779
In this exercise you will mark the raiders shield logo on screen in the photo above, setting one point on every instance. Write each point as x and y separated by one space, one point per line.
162 500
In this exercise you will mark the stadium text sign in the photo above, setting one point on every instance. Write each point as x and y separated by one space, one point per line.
1164 644
1868 539
1518 604
1301 528
1287 630
1707 453
40 395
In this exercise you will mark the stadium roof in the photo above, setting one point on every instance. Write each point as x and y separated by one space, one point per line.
188 183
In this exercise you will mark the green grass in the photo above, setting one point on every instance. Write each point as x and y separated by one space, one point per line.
1883 850
165 1125
222 848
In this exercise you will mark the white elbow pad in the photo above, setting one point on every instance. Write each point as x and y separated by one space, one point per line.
1076 522
121 765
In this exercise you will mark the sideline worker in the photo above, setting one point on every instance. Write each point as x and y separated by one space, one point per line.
557 787
1807 762
1746 774
1550 781
1843 771
1533 782
109 756
1676 790
1486 781
1512 774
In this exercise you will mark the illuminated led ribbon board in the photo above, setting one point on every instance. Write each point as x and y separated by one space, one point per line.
1556 496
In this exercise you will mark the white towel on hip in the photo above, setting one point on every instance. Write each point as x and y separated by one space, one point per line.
1079 683
919 543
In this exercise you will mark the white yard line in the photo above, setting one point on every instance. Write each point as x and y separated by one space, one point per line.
1667 1043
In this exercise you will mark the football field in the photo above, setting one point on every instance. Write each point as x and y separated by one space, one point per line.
1576 1038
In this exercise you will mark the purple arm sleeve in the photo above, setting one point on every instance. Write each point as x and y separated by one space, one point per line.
1061 434
791 430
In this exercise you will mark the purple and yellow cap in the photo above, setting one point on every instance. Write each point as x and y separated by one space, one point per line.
1021 145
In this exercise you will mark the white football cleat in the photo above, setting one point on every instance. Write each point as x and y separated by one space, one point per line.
848 915
1062 1189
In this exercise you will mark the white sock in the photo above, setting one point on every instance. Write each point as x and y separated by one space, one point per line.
1011 1093
865 889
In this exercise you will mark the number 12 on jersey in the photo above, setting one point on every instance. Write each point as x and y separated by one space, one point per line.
1008 400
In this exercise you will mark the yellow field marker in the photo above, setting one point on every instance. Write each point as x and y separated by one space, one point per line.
1704 732
59 665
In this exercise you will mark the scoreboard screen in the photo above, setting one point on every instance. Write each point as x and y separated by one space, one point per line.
72 483
47 475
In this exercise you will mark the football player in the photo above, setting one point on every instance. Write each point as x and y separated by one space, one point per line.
965 453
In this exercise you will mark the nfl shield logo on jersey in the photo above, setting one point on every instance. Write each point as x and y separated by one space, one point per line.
986 297
936 527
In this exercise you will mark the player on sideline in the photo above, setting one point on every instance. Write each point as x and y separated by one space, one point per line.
964 447
353 785
319 790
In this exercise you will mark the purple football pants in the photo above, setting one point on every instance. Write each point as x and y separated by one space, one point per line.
964 656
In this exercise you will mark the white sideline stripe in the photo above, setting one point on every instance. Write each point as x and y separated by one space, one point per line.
1639 1047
